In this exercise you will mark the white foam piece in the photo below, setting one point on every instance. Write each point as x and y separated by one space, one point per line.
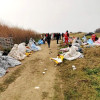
37 87
45 69
43 72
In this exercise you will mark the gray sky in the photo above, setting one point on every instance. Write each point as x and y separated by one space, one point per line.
51 15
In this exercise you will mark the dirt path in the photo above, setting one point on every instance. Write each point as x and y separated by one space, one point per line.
23 88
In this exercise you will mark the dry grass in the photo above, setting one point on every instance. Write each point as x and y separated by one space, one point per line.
77 35
82 34
82 83
97 34
44 95
19 35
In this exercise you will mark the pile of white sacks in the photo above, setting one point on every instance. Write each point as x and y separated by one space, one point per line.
17 53
72 52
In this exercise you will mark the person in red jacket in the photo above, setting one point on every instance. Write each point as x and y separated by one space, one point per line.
66 36
46 34
93 37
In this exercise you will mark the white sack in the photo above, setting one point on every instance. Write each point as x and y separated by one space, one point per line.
22 48
15 53
72 54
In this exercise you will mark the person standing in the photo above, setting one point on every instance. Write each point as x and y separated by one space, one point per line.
57 37
48 40
93 37
66 37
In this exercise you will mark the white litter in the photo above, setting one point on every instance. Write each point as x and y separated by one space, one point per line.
43 72
37 87
45 69
73 66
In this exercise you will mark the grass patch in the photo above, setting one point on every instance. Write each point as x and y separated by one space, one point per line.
94 75
82 83
71 94
98 91
60 52
92 71
44 95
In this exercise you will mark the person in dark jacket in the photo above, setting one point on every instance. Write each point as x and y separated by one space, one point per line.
96 38
48 40
57 37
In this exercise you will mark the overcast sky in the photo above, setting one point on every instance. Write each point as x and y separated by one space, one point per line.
51 15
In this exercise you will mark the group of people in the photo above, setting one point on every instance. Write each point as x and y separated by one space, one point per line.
55 36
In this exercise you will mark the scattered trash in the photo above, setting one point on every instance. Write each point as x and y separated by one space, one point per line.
37 87
73 66
59 59
45 69
43 72
27 54
40 42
